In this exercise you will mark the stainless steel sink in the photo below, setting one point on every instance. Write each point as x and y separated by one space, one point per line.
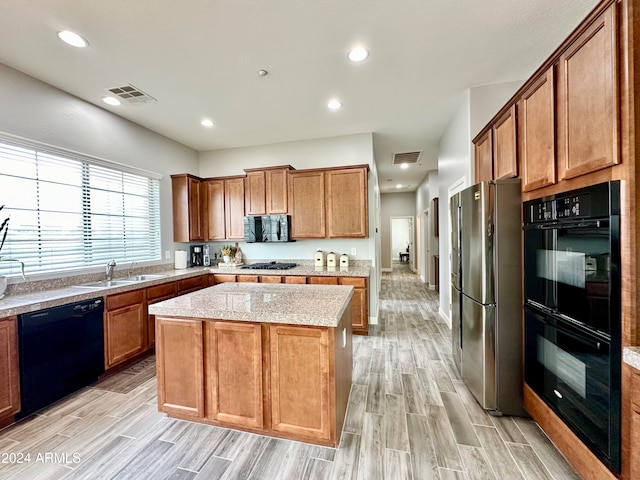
142 278
107 284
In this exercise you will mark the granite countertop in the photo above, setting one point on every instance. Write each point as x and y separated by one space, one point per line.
314 305
52 293
631 356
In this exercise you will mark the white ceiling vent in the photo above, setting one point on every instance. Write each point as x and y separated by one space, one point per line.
407 157
131 94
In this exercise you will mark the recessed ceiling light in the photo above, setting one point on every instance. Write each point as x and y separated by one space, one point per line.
111 101
358 54
398 186
404 166
73 39
263 73
334 104
206 123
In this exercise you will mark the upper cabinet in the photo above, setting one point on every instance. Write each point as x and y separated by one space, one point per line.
505 158
266 190
483 150
306 203
588 104
187 208
234 207
536 133
346 202
214 218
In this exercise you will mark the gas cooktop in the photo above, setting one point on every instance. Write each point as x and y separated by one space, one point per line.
270 266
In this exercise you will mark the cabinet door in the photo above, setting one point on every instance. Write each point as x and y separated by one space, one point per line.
156 294
276 191
179 366
186 199
588 137
255 194
300 369
9 375
234 208
359 304
125 333
346 197
233 366
191 284
536 133
214 224
306 204
483 149
505 160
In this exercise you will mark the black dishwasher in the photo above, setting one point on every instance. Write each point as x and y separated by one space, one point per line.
61 350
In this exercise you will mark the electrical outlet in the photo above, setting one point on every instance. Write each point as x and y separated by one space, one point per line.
167 255
353 251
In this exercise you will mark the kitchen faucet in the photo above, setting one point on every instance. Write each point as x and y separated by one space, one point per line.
110 266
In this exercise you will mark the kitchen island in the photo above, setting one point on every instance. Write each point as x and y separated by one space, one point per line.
273 359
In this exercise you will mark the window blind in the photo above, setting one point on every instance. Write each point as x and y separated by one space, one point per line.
67 212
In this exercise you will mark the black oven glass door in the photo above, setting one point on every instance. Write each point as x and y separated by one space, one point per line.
568 270
576 376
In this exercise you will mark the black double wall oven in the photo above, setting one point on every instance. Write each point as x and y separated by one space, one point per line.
572 312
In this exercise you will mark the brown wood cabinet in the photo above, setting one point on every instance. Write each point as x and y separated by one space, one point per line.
9 374
266 190
359 304
270 279
222 278
191 284
307 203
483 154
505 148
187 208
346 202
300 362
634 457
234 208
296 279
588 103
319 280
125 327
214 218
155 294
180 366
233 366
248 278
536 133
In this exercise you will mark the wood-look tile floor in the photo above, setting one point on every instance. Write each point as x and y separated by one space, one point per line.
409 417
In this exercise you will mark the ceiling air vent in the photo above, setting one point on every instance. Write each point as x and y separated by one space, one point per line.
131 94
407 157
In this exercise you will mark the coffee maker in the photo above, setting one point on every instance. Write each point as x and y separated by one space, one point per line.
196 255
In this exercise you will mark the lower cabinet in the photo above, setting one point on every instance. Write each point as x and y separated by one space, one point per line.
156 294
634 457
9 374
179 366
233 365
300 370
359 304
125 328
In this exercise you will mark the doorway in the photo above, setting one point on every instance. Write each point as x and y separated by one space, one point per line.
402 241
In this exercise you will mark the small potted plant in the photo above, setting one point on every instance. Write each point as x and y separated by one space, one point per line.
4 228
227 251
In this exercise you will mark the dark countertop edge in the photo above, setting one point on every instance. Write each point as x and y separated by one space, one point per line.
30 302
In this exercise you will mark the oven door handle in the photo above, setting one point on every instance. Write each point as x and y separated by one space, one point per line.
603 223
581 337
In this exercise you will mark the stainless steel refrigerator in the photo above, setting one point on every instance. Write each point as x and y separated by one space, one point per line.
456 294
490 252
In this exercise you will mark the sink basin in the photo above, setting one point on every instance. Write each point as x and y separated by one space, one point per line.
106 284
142 278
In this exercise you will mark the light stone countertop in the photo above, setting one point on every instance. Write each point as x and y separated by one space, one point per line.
631 356
311 305
43 294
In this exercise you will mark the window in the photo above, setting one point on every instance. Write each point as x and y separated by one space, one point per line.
68 211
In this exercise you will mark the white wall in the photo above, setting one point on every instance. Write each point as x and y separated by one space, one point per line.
425 194
315 153
37 111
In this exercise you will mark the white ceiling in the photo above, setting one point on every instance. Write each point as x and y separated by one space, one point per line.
200 58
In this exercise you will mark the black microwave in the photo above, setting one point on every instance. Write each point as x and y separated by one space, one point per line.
267 228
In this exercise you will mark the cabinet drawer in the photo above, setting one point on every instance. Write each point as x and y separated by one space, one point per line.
161 291
270 279
355 281
247 278
323 280
223 278
190 284
120 300
295 279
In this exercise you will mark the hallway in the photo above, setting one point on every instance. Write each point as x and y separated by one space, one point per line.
409 417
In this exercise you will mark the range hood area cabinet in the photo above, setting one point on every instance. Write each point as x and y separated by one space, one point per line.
329 203
322 203
266 190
